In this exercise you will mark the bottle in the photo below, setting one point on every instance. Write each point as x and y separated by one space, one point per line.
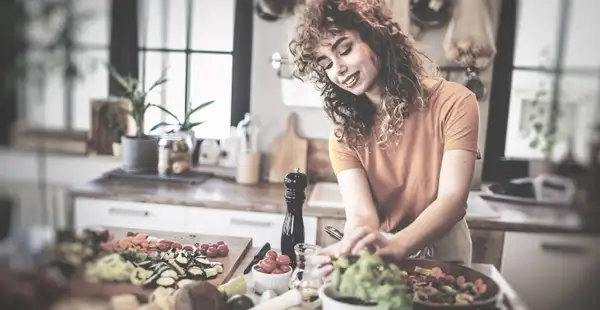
292 232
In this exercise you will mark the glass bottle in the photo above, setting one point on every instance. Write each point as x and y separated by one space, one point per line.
292 232
304 277
174 153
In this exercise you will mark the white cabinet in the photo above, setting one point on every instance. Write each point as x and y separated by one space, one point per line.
553 271
127 214
260 226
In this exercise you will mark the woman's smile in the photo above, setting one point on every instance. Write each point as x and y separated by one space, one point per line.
352 80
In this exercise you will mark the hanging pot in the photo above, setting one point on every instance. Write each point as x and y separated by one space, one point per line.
273 10
430 13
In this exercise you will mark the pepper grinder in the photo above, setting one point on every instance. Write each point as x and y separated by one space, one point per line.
292 232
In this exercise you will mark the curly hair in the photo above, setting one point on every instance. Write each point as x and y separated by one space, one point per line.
402 68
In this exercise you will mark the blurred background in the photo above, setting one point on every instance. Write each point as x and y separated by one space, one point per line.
534 66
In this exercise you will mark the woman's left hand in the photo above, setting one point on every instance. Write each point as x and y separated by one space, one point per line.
371 240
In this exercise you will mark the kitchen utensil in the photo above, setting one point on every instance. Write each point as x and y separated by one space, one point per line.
474 83
426 252
288 152
261 253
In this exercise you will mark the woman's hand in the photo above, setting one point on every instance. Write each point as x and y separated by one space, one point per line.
371 240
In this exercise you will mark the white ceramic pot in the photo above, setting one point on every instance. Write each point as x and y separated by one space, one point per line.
279 283
327 296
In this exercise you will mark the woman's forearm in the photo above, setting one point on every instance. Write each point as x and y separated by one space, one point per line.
432 223
354 221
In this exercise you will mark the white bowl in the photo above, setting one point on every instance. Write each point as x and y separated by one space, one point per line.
268 281
327 296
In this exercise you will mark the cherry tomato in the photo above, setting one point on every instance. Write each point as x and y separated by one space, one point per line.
223 250
271 255
267 265
220 242
285 268
283 260
277 271
212 252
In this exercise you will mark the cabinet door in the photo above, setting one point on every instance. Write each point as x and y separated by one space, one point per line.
262 227
549 270
126 214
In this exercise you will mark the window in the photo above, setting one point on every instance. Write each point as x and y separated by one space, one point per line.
193 40
552 65
47 101
205 45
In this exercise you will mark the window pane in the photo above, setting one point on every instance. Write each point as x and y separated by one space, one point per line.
580 51
212 25
95 28
579 102
537 30
153 71
163 23
93 85
529 105
211 80
43 93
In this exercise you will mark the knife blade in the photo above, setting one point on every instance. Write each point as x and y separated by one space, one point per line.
261 253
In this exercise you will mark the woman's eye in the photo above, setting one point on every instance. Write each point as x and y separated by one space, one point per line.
346 51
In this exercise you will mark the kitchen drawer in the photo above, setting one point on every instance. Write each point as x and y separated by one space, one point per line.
550 271
260 226
126 214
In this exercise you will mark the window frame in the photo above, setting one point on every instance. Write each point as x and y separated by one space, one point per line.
125 52
496 166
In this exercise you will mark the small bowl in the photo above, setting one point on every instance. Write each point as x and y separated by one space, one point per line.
267 281
329 301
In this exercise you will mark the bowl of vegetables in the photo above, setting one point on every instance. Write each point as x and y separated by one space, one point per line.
365 282
273 272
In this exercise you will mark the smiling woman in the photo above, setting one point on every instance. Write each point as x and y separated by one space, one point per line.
404 142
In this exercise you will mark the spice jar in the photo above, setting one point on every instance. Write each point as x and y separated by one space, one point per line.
175 153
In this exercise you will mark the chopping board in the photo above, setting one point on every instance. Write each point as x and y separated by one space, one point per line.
288 152
238 248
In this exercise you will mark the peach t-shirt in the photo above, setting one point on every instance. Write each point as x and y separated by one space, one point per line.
404 178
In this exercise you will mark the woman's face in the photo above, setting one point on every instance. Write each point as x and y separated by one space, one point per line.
349 63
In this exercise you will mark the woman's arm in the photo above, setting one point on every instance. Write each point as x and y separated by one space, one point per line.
448 208
358 200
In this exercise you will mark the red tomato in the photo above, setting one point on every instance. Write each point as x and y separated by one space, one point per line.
220 242
277 271
285 268
223 250
267 265
212 252
271 254
283 260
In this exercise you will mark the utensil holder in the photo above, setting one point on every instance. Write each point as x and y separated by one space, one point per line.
248 169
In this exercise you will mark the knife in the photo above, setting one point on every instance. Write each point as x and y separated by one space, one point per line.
261 253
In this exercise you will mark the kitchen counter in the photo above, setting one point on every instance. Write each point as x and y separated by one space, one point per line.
264 197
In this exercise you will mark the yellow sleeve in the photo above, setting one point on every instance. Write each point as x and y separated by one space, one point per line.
341 157
461 125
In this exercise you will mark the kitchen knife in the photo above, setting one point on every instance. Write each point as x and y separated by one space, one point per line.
261 253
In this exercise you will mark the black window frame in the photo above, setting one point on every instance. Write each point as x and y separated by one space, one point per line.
125 50
496 166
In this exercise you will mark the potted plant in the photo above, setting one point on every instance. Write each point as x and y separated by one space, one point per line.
365 282
139 150
186 125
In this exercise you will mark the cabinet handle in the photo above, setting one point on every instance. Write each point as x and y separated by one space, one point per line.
128 212
563 248
249 223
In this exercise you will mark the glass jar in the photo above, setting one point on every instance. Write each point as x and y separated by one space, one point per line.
304 278
175 153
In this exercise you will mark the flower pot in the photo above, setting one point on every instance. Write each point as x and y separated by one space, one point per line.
330 300
139 154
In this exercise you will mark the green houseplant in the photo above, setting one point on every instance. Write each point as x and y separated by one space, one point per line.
139 150
186 125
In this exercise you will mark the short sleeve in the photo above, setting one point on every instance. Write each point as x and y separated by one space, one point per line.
461 125
341 157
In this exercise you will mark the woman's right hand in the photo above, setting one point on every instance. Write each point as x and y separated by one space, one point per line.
323 259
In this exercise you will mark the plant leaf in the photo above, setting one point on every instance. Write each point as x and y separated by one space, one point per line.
161 124
535 143
538 127
165 110
188 126
200 107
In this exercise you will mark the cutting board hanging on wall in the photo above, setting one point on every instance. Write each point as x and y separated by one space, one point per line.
288 152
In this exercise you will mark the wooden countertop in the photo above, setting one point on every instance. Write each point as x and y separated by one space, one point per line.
265 197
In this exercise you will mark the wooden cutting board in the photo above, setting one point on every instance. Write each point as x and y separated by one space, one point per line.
288 152
238 248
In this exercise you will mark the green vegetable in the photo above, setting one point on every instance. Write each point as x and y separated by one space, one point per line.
371 280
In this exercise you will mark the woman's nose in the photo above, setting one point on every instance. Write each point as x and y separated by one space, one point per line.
341 70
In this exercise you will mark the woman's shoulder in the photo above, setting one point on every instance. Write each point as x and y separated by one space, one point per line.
441 91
